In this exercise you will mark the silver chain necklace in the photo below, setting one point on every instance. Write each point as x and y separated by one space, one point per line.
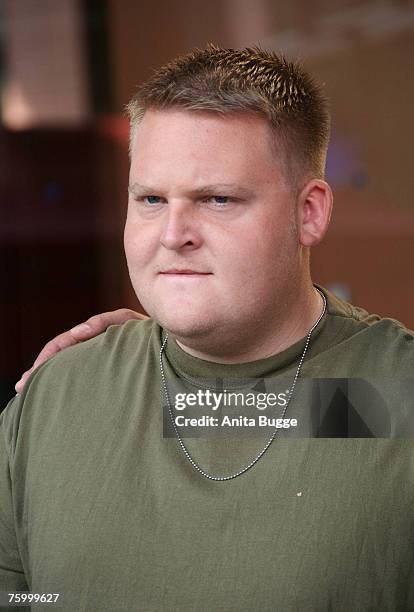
272 437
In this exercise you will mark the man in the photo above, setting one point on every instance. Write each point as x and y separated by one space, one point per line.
104 499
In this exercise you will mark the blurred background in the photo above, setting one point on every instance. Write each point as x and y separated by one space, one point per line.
67 69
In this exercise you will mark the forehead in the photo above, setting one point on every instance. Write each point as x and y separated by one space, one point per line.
203 142
174 122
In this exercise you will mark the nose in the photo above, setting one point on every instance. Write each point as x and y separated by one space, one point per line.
180 228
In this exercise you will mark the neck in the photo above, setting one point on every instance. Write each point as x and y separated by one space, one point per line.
292 322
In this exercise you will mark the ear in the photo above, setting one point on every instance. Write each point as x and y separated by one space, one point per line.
314 206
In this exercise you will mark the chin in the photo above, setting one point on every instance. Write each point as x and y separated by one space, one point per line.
180 317
184 325
183 328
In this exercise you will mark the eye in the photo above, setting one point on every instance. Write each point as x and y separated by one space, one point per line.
152 199
219 200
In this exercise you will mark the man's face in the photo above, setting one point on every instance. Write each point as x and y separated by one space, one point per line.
210 238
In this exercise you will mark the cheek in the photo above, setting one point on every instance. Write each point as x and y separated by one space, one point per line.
261 257
252 248
138 245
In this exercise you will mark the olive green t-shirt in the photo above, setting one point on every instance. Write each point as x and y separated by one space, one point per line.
99 503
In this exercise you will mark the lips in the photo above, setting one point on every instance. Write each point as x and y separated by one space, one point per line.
177 271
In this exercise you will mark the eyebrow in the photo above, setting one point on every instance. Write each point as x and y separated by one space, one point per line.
137 189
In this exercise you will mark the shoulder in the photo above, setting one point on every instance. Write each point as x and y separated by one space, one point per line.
381 340
98 357
134 333
82 382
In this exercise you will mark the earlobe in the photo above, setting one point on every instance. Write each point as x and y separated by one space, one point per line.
314 212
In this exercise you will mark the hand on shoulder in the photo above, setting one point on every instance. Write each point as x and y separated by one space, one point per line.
84 331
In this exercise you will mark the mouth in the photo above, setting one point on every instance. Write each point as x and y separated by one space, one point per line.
186 272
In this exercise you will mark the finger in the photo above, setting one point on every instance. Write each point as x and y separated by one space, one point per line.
51 348
92 327
99 323
54 346
20 383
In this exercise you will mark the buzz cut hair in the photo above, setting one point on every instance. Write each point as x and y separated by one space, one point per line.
250 81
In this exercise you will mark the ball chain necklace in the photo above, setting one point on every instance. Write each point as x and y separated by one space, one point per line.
272 437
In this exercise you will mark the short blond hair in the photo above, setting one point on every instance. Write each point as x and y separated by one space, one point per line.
253 81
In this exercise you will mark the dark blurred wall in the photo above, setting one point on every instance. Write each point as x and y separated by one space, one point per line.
370 244
60 256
